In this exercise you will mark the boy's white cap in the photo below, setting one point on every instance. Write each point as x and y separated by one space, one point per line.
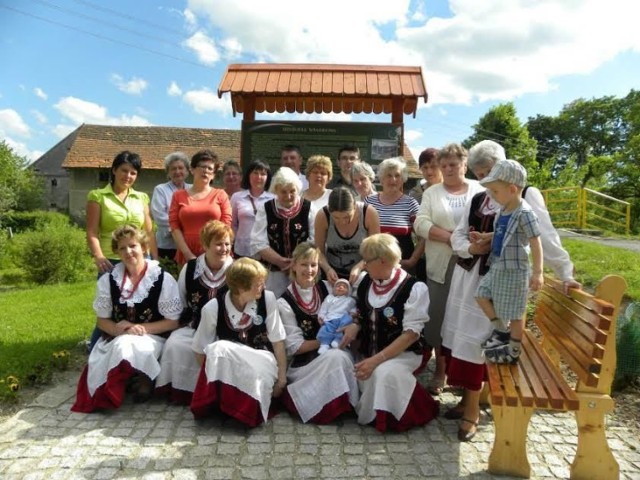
508 171
346 282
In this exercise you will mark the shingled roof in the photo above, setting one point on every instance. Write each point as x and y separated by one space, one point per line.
314 88
95 146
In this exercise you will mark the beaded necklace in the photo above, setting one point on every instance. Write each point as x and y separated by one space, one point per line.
134 286
383 290
310 307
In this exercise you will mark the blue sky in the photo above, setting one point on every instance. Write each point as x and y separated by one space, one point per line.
68 62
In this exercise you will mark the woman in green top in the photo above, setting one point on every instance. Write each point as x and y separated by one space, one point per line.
115 205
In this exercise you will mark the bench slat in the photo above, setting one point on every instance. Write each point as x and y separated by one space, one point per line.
588 300
591 325
508 385
552 378
539 394
587 369
495 385
567 326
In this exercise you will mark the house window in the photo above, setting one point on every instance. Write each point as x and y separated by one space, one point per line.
54 182
103 176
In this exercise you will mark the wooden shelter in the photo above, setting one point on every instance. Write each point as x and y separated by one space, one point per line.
315 88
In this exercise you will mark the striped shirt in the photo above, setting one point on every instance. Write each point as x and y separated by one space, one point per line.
396 218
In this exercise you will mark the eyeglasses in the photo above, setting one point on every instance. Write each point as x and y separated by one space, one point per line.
353 158
207 168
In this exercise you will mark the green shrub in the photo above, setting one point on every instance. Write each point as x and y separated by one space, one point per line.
55 252
21 222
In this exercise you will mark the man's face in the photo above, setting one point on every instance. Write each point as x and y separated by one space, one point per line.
346 160
291 159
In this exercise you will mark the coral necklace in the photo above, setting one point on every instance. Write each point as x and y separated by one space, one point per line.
134 287
311 306
384 289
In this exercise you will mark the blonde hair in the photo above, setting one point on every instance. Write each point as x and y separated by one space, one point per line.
129 231
214 230
394 163
453 150
242 273
319 162
304 251
381 245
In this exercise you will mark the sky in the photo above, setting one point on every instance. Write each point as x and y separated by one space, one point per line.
160 62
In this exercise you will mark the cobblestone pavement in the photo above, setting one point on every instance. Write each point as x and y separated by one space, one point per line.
159 441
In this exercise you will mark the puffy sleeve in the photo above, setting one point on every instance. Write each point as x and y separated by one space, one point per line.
102 304
169 303
294 338
206 332
555 256
275 329
259 238
416 308
94 196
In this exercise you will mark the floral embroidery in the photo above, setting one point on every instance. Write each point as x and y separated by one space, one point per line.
146 316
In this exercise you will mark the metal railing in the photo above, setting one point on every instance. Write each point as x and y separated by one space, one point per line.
583 208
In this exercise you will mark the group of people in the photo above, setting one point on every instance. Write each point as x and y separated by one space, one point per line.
315 289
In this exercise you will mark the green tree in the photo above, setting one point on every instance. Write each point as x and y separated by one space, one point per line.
20 188
501 124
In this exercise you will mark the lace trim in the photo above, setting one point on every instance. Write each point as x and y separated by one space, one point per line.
142 292
103 303
171 308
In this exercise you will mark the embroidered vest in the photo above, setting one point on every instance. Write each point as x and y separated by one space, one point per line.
286 233
254 336
386 326
198 294
479 223
308 323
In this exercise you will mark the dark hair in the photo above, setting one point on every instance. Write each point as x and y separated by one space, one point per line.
291 148
428 155
348 148
256 165
126 156
202 155
341 200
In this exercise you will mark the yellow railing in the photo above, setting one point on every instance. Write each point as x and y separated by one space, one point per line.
583 208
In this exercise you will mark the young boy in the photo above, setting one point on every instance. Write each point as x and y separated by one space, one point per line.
502 292
335 312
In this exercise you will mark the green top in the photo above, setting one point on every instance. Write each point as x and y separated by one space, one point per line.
115 213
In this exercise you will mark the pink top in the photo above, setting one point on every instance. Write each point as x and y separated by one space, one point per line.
189 216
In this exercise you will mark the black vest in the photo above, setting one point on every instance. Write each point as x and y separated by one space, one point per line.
144 312
387 324
254 336
308 324
286 233
479 223
198 294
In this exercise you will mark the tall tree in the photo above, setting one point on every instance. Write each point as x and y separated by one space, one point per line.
20 188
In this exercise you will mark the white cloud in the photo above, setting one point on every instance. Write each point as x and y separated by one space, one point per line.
11 123
81 111
484 51
204 48
40 117
135 86
62 130
174 90
205 100
232 48
40 93
189 17
412 135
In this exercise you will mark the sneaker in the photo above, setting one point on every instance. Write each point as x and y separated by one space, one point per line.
503 354
497 338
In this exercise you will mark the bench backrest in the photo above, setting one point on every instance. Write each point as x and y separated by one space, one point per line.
581 328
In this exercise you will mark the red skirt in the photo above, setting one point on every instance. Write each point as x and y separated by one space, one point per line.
109 395
461 373
332 410
422 408
211 396
175 396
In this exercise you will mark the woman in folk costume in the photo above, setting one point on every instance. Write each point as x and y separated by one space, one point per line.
281 224
393 308
240 345
199 281
137 303
321 387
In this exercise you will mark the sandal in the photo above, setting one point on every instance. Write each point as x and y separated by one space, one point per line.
467 435
436 386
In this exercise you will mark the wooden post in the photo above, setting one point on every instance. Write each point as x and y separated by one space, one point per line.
509 453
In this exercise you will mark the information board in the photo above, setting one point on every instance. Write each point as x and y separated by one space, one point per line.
265 139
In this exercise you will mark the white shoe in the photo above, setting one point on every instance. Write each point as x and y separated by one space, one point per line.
323 348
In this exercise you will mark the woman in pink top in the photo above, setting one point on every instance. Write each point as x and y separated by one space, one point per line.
192 208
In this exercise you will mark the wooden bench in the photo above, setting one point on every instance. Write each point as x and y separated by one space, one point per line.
580 329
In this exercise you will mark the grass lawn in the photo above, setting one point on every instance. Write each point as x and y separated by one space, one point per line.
37 322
